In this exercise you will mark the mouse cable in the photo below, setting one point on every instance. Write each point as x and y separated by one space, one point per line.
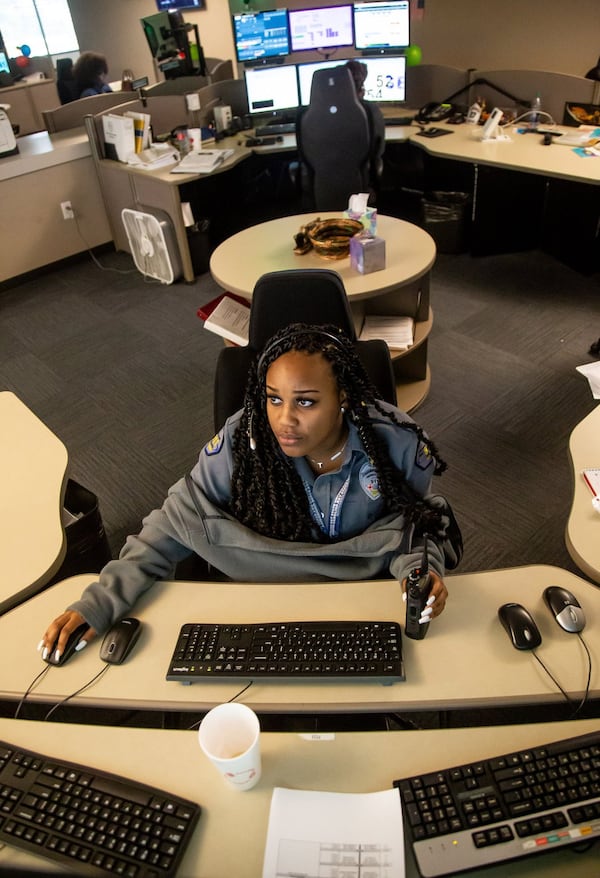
576 708
35 680
589 677
229 700
73 694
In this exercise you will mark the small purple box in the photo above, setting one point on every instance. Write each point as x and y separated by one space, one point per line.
367 253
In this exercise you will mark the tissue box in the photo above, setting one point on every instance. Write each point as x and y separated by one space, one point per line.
368 218
367 253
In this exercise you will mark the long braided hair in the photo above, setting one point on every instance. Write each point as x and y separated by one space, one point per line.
267 494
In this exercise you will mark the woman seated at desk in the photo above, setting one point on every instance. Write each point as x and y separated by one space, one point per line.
314 479
91 75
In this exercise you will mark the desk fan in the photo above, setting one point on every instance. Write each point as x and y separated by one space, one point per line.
152 243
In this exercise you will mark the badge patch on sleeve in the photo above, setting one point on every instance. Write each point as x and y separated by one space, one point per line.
369 481
215 444
423 458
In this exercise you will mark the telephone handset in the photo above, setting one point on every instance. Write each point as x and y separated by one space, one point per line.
434 112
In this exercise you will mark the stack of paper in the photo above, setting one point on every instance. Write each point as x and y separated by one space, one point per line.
202 161
317 833
156 156
231 320
141 129
397 332
592 373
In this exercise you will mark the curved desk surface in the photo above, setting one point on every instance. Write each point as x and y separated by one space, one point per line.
230 837
238 262
521 152
486 671
33 464
582 534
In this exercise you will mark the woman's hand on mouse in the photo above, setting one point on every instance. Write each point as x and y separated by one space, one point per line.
60 629
436 600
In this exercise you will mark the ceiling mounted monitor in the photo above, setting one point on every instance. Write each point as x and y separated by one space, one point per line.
327 27
166 5
382 26
262 34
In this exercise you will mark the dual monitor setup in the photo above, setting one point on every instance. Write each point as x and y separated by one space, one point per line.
375 27
279 89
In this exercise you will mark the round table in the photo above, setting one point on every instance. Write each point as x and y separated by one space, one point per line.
239 261
401 288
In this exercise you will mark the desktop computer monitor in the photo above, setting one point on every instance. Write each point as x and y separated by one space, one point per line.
305 75
4 67
328 27
261 34
180 4
381 25
272 89
386 79
385 83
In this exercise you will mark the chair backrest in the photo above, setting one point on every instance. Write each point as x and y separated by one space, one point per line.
334 139
279 298
71 115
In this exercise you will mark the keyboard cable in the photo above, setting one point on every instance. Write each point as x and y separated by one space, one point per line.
229 700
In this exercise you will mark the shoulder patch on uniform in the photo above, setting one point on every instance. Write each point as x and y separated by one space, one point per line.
369 481
423 458
215 444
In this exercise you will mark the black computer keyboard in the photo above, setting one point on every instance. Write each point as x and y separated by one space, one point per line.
94 822
276 128
499 809
285 650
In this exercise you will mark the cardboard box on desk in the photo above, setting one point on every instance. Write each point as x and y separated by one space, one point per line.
367 253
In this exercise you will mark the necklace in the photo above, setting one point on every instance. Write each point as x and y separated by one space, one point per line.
321 463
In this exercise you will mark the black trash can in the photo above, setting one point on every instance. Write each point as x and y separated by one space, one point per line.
87 544
446 218
199 244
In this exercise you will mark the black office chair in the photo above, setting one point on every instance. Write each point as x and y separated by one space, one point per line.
279 298
334 140
65 82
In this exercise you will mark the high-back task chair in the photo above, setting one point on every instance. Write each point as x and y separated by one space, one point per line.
334 140
315 296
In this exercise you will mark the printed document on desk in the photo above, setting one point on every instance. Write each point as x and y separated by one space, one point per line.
202 162
313 833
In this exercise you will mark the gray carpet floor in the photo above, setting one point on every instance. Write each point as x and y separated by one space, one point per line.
121 370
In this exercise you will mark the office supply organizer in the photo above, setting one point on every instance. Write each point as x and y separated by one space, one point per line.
94 822
516 805
289 650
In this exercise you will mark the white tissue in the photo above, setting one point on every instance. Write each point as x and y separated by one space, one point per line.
358 203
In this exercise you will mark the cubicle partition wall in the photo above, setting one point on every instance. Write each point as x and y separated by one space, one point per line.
71 115
554 89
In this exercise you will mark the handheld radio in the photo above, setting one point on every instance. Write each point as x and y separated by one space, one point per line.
418 587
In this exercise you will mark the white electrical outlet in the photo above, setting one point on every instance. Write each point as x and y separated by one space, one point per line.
67 210
193 101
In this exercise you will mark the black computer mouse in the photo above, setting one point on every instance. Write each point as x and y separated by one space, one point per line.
519 626
69 649
120 640
565 608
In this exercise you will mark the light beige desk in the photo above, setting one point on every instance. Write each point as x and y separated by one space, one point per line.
401 288
229 839
522 152
582 534
466 660
33 464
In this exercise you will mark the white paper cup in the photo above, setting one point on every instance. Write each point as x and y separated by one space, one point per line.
195 138
230 736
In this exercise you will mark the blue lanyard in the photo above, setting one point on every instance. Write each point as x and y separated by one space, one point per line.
332 530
